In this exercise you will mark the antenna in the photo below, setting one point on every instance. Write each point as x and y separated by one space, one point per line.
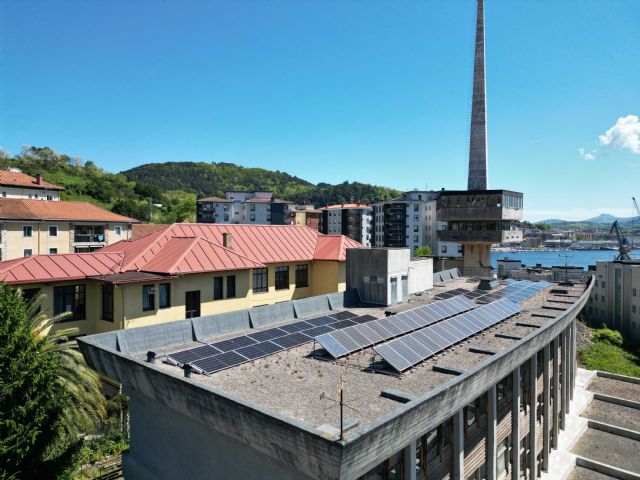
340 401
566 266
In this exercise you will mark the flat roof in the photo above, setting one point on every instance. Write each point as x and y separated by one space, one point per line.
302 387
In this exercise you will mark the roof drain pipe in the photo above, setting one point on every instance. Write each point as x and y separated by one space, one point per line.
151 357
187 370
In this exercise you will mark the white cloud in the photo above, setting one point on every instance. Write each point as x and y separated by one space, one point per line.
587 155
624 134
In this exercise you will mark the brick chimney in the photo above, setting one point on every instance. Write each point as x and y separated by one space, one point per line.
39 179
227 240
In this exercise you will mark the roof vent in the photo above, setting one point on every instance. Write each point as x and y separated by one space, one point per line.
39 179
227 240
151 356
187 370
15 170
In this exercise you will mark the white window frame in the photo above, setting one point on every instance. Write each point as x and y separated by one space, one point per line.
24 252
30 233
117 230
53 253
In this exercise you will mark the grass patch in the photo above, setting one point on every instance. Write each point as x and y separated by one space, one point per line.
602 355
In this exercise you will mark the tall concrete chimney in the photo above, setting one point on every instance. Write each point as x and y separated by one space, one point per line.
478 141
227 240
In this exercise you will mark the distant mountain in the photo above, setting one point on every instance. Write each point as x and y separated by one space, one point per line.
602 219
213 179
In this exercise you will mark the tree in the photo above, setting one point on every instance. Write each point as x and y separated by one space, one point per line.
31 398
424 251
48 395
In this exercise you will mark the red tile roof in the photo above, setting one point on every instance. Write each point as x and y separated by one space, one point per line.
139 230
65 266
21 209
184 248
196 254
22 180
215 200
347 205
266 200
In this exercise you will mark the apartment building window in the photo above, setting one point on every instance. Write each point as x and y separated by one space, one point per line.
231 286
27 231
107 302
226 217
70 298
479 474
260 280
53 230
53 251
148 297
27 252
415 228
634 291
302 276
502 456
165 295
252 217
603 284
28 294
596 283
633 308
416 218
252 208
416 207
282 278
460 249
217 288
118 231
444 249
49 197
416 239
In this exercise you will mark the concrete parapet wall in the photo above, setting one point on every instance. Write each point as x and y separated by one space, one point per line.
220 324
156 336
311 305
269 314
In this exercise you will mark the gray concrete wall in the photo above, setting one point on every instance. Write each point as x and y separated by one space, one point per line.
420 275
370 271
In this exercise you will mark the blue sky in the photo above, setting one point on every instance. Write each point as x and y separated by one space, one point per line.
371 91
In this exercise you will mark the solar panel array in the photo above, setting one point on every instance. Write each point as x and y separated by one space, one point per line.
358 337
516 291
210 358
405 352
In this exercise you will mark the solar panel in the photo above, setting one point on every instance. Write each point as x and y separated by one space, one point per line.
267 334
360 336
292 340
343 324
405 352
210 364
295 327
342 315
186 356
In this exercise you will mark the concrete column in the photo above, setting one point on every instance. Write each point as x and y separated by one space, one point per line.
492 427
533 376
515 425
546 399
563 378
458 444
574 357
556 392
409 461
567 382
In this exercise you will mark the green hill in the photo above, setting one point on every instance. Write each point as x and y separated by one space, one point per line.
175 185
213 179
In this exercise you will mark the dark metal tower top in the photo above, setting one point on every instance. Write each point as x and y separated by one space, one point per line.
478 141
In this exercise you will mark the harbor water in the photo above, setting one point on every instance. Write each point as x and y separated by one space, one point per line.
578 258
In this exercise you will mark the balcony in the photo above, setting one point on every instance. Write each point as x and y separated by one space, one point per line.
89 234
479 205
480 236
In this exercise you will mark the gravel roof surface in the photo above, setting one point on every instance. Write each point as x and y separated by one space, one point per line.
610 449
302 387
580 473
613 414
615 388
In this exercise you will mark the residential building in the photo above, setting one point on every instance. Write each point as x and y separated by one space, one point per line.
312 218
257 208
183 271
286 408
15 184
615 299
411 221
32 227
350 219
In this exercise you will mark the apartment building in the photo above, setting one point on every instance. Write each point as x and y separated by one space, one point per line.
350 219
183 271
32 227
615 299
411 221
15 184
312 218
239 207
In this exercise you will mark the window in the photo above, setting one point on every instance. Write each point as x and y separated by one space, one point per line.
53 251
4 194
302 276
53 230
282 278
49 197
603 285
415 228
107 302
633 308
148 297
27 252
27 231
231 286
118 231
502 456
634 291
28 294
217 288
226 217
596 284
252 217
444 249
260 280
165 295
70 298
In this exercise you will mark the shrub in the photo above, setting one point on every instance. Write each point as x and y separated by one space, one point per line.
608 335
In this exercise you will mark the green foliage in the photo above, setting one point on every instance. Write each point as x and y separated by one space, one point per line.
607 335
602 355
32 400
424 251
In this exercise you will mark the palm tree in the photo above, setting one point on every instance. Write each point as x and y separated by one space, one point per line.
87 404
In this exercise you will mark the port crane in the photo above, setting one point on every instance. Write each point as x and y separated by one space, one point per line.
623 244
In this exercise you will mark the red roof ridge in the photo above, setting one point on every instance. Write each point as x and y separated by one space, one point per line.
182 254
231 251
